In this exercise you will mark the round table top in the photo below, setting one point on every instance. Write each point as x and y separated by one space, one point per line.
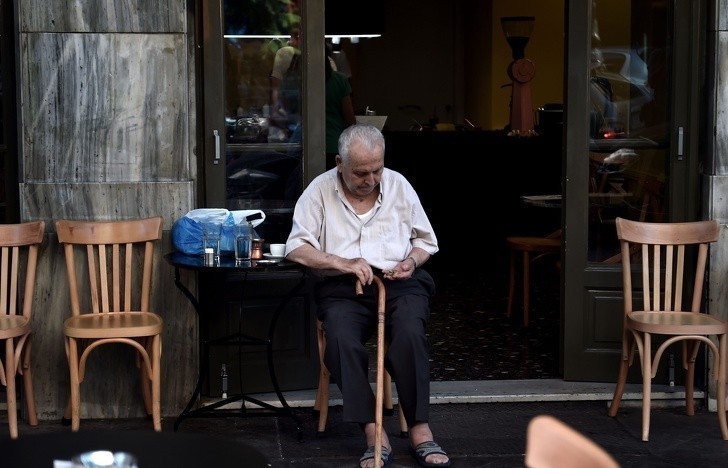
227 263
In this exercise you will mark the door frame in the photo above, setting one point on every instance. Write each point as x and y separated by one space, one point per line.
591 338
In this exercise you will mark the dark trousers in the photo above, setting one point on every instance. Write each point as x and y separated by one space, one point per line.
349 321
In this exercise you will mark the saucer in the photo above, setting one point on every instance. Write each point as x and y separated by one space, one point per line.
270 256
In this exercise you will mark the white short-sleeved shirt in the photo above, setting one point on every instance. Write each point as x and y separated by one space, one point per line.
324 219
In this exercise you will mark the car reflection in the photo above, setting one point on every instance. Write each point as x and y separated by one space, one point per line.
247 129
619 91
263 173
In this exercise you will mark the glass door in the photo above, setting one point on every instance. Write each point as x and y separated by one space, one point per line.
629 142
631 151
255 105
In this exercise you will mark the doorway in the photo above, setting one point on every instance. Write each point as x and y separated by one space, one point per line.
631 151
425 157
589 314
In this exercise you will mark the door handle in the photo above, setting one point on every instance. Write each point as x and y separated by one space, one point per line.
680 141
216 134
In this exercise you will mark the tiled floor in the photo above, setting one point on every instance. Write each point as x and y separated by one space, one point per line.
469 313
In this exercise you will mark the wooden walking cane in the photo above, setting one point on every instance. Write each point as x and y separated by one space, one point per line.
379 404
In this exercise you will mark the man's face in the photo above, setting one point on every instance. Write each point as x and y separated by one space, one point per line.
295 39
363 172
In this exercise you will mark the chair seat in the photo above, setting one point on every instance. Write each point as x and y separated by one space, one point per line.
13 325
534 244
113 325
676 323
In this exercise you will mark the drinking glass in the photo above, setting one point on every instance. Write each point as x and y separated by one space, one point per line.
243 235
211 240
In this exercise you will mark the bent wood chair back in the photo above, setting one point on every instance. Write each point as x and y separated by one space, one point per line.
113 305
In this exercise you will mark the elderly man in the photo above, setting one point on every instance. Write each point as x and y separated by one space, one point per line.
352 222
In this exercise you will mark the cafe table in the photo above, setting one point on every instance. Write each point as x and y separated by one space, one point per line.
212 282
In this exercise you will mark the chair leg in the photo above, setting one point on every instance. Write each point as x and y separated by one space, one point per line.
156 382
146 382
319 393
622 377
388 405
322 398
152 401
646 385
75 399
66 420
10 388
511 283
28 384
526 286
403 428
722 366
389 402
322 393
689 388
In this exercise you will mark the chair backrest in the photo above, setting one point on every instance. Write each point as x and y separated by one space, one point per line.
114 252
665 248
15 239
551 443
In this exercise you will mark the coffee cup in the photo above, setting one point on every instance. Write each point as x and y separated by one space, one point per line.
278 250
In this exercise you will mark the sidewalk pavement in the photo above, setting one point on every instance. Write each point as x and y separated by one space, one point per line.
479 424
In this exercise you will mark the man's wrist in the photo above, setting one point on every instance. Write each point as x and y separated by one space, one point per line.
414 262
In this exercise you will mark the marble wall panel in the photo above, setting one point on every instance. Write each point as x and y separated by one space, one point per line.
111 388
718 279
105 108
51 201
720 154
717 292
102 15
715 198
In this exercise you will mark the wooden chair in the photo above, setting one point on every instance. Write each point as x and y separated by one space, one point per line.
528 245
657 308
117 256
321 405
18 256
551 443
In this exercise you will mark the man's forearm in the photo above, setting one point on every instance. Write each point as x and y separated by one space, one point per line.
308 256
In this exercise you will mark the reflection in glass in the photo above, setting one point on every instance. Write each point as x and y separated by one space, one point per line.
629 144
263 77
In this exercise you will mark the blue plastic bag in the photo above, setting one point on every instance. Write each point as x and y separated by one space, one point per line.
187 231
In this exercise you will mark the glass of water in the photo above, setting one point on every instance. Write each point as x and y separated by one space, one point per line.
243 236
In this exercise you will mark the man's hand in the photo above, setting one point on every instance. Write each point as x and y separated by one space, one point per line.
402 271
360 268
